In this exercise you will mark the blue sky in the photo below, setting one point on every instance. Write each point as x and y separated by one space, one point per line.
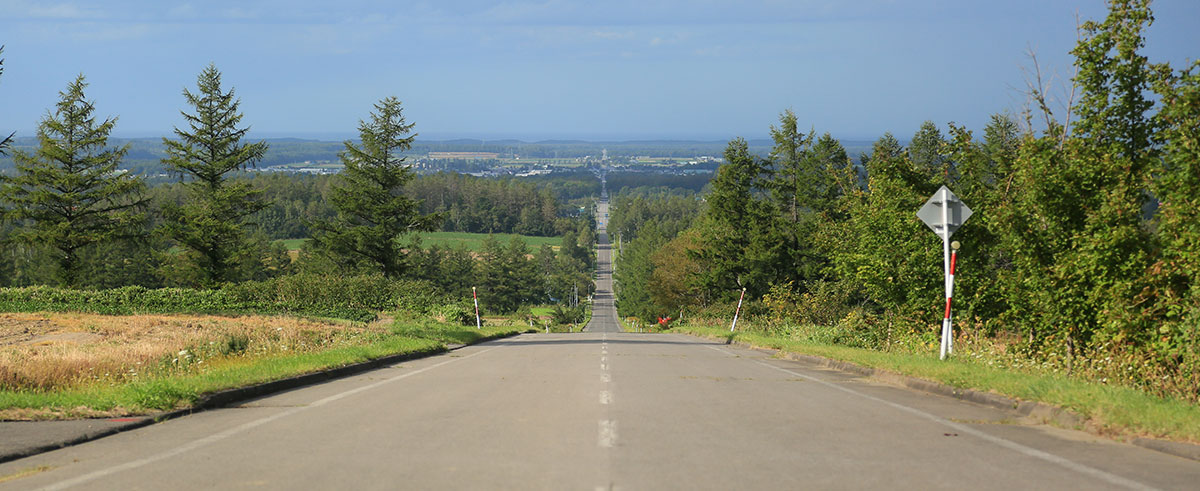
533 70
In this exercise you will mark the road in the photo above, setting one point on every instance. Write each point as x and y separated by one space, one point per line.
602 410
604 316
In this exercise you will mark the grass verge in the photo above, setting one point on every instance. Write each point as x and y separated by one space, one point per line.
1112 410
176 391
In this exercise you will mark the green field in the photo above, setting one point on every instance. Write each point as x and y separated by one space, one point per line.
473 242
293 244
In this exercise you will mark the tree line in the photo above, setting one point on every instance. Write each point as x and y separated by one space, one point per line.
1083 247
463 203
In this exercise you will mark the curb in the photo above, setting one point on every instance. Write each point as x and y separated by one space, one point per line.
230 396
1035 410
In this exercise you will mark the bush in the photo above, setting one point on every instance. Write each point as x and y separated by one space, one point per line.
567 315
454 313
354 298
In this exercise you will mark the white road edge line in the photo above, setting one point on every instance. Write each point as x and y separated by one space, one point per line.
1011 445
608 433
244 427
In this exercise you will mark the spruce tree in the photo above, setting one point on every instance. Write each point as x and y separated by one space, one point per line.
69 193
736 232
210 225
793 170
927 152
373 212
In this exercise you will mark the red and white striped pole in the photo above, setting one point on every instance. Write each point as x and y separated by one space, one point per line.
738 311
478 325
947 330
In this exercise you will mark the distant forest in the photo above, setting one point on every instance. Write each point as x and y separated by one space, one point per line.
145 154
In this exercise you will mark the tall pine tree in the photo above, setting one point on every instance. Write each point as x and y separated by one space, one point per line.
210 225
69 192
373 212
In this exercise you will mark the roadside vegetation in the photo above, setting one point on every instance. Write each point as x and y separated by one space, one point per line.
1079 267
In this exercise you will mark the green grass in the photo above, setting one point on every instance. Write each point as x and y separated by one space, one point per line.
293 244
1114 409
178 391
473 242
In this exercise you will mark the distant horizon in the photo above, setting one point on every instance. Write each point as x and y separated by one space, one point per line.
446 137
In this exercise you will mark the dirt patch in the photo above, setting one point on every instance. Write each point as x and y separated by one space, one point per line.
64 337
19 328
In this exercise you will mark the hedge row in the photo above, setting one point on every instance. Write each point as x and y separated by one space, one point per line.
356 298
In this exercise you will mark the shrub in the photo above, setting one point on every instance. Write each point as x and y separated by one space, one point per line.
454 314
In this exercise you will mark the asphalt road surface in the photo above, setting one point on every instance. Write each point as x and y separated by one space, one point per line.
604 316
602 410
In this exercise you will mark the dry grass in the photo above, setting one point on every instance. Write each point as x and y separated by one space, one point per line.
50 351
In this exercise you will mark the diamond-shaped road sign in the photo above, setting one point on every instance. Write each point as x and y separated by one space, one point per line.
954 214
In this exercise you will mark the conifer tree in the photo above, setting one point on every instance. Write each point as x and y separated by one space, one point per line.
736 231
793 170
69 192
211 224
927 152
373 212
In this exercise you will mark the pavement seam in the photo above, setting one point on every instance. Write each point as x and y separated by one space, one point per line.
229 397
1036 410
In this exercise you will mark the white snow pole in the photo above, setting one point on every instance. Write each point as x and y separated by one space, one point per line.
478 324
947 333
738 311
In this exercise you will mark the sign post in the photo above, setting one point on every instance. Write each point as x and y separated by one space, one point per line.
478 324
944 213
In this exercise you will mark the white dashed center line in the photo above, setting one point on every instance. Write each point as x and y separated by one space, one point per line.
608 433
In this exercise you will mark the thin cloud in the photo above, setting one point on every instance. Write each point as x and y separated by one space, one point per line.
61 11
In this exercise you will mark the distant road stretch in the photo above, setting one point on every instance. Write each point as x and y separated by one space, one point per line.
604 313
